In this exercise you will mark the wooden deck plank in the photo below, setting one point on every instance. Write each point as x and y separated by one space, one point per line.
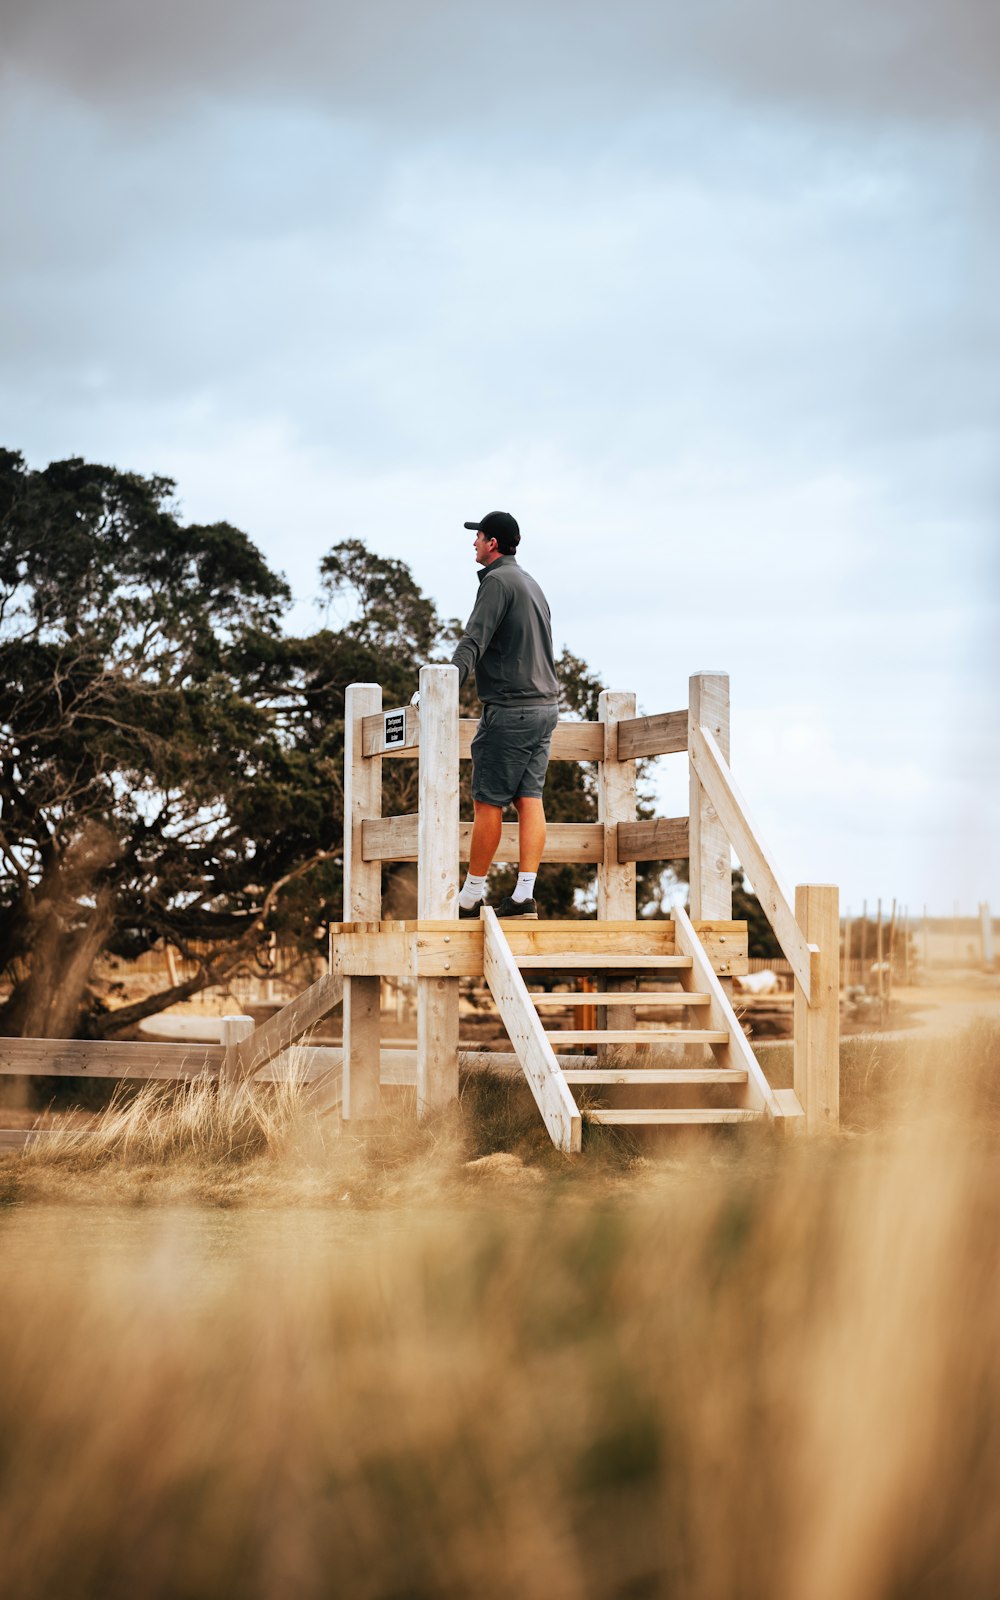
655 1075
648 997
524 1028
660 1116
638 1036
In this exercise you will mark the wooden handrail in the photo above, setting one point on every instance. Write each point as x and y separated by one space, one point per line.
717 781
664 734
397 839
527 1035
571 741
737 1053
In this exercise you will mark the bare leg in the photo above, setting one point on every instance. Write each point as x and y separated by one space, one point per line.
485 837
531 833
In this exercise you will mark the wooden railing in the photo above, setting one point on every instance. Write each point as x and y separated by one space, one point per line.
807 929
805 925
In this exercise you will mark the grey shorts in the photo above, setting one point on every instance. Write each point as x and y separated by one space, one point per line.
510 752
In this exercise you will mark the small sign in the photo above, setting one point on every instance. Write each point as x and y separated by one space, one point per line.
394 729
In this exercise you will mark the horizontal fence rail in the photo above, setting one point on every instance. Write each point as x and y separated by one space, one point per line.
397 839
657 839
665 734
100 1058
571 741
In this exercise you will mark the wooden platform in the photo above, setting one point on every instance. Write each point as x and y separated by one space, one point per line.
453 949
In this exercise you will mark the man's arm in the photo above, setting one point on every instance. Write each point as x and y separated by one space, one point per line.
487 614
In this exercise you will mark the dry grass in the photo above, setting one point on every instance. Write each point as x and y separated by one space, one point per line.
732 1368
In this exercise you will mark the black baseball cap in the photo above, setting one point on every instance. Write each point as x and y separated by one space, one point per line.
499 525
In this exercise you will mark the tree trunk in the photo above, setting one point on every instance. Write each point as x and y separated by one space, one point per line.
48 1003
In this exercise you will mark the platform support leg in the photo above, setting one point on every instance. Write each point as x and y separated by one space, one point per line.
616 802
437 883
362 903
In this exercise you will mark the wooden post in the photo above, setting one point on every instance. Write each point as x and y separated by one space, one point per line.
881 975
711 877
234 1031
864 945
927 943
986 935
845 980
437 882
616 802
817 1026
362 903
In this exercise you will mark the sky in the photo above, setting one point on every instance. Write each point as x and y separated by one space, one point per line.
704 294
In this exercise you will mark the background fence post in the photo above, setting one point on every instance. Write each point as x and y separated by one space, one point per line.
817 1026
437 882
986 935
362 903
234 1031
710 873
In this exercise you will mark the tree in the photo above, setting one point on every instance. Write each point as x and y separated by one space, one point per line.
170 760
134 730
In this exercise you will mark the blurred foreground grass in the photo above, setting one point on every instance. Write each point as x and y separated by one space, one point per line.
714 1366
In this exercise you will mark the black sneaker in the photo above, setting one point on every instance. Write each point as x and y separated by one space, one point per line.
471 911
510 907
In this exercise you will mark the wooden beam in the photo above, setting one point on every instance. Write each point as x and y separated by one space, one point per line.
102 1058
656 1075
709 867
657 839
397 839
616 802
428 948
817 1018
524 1028
289 1025
571 741
236 1033
737 1052
362 899
688 1116
142 1059
728 804
662 735
437 882
633 998
637 1036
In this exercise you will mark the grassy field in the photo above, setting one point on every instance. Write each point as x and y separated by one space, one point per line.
243 1357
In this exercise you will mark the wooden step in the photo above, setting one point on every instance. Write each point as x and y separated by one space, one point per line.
590 961
658 1075
636 1116
638 1036
612 997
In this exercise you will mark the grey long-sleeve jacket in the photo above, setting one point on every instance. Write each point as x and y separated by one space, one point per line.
508 639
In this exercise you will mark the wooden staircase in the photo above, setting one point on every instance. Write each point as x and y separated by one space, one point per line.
705 1020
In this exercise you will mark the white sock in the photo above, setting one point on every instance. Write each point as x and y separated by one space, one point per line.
524 888
473 890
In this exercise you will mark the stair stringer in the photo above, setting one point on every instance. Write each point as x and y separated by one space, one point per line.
758 1095
559 1110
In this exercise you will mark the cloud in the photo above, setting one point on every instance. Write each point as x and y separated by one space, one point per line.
453 64
705 293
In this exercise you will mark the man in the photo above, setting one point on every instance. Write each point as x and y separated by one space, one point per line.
508 642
